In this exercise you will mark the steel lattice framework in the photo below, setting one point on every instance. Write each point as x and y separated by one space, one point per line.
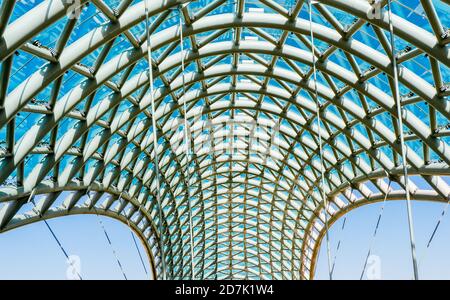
75 120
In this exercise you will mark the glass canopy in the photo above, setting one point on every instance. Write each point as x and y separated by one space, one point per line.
76 121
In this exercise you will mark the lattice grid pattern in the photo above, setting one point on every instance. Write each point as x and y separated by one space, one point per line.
75 118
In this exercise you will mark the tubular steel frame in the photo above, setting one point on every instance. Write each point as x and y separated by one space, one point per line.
109 151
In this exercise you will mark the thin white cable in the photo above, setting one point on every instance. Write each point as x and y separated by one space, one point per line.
372 242
433 234
134 239
52 232
187 145
155 142
319 122
402 141
102 226
108 239
338 247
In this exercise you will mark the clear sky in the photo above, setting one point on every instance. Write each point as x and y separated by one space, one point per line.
392 244
31 253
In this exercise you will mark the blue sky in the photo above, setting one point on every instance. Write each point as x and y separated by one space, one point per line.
31 253
392 242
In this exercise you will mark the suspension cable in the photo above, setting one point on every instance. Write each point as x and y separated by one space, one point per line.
137 248
402 141
155 142
338 245
433 234
107 237
109 241
187 145
322 166
100 222
134 239
61 247
374 235
340 238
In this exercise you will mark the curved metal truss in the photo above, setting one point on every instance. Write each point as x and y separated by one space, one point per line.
75 119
